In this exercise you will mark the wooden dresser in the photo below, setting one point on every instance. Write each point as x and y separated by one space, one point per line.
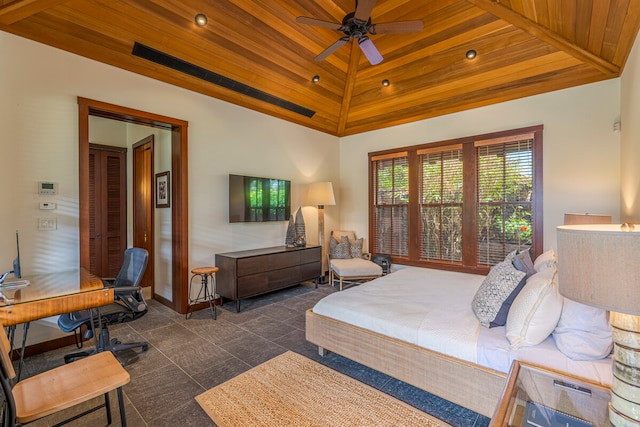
254 272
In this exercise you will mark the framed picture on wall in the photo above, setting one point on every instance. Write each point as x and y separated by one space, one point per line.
163 190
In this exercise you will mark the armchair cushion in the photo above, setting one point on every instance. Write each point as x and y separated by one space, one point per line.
355 247
341 249
355 267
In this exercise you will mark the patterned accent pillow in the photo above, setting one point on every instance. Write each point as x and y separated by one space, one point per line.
511 255
501 281
340 250
356 248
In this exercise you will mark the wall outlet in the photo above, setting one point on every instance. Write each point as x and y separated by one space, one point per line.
47 224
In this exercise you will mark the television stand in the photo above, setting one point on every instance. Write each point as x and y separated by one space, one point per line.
253 272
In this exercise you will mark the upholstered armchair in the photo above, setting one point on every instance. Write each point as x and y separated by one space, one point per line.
348 261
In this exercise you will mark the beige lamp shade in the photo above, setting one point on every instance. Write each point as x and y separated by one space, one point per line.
598 265
586 218
320 194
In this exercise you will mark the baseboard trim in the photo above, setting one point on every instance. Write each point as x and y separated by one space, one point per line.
43 347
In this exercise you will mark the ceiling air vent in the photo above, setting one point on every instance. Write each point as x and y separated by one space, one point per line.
185 67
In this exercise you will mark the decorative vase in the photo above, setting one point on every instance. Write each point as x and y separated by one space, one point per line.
290 239
300 228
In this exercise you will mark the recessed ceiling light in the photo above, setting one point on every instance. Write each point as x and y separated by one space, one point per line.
471 54
201 20
386 83
315 79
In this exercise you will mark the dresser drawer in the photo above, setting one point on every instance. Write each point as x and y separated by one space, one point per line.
253 265
257 284
311 255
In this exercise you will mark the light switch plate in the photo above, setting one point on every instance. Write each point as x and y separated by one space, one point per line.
47 224
47 205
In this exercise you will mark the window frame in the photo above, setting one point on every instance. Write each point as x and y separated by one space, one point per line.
470 203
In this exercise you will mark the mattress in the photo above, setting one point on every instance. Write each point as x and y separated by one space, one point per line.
432 309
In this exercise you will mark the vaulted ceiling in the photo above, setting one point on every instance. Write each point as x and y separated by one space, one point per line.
255 54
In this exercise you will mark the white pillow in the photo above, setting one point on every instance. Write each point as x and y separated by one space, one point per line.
545 260
536 310
583 332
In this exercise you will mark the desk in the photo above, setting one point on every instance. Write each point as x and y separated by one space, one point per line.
53 294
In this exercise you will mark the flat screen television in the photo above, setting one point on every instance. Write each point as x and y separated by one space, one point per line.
254 199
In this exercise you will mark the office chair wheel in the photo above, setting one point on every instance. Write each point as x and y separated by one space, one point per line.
145 347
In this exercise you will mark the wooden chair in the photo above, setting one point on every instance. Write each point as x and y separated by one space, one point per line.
60 388
350 269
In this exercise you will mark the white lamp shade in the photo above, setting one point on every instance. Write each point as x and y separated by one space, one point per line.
598 265
320 194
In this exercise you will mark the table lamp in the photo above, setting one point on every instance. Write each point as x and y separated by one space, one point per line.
598 266
320 194
586 218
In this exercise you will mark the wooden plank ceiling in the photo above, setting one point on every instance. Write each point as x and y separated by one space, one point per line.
524 47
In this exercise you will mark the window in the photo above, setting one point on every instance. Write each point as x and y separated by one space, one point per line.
462 204
391 204
441 203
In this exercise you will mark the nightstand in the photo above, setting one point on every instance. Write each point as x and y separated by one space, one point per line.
538 397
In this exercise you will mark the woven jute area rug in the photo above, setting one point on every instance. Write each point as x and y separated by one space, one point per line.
291 390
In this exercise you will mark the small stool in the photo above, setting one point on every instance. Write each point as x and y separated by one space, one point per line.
205 274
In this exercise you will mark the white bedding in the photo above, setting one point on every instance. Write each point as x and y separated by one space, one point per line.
432 309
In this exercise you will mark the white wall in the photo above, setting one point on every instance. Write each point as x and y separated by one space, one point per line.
39 86
581 151
630 137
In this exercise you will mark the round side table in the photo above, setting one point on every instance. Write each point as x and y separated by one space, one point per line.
207 275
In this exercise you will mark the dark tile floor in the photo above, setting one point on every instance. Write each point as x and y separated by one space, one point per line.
188 357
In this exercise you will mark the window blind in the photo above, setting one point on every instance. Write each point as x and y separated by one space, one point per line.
441 203
504 191
391 202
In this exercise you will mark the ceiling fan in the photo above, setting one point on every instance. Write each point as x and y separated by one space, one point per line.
356 25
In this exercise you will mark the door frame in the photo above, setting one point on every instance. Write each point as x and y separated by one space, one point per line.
151 248
179 188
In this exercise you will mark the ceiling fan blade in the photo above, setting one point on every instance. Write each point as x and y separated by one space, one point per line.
370 50
364 9
397 27
318 23
328 51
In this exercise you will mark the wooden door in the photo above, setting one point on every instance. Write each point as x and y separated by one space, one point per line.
107 209
143 191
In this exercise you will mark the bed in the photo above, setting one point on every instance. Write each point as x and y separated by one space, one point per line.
418 325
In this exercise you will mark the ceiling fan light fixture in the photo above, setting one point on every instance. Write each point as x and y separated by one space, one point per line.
315 79
471 54
385 83
201 19
370 50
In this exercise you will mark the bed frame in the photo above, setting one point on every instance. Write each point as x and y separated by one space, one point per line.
464 383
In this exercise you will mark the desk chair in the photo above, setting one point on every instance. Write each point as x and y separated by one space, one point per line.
129 305
60 388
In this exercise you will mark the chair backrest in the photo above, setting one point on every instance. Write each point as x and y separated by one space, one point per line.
351 235
343 251
5 359
133 267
